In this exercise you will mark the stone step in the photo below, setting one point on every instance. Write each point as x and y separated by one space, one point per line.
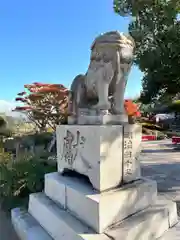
59 223
26 227
163 202
150 223
96 210
173 233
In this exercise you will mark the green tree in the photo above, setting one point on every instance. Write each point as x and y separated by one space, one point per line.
156 31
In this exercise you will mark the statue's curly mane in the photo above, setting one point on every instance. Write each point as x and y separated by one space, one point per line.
114 38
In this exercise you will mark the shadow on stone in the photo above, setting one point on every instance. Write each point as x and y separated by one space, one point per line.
76 175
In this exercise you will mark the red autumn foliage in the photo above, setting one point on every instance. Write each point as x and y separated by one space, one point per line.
20 99
46 104
52 89
24 108
21 93
138 114
131 108
57 85
35 96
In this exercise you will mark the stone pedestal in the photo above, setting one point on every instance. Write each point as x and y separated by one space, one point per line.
71 209
99 210
88 116
107 155
116 204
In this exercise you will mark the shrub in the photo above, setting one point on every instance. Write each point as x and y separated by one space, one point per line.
42 138
147 131
152 126
5 132
38 139
20 178
161 135
172 134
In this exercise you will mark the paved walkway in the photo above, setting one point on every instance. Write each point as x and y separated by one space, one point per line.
6 230
161 162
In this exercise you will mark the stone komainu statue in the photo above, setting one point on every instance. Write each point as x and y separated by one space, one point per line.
103 85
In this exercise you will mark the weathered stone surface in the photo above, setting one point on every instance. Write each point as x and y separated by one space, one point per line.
55 188
150 223
95 151
173 233
171 207
27 227
99 211
132 147
102 119
58 223
84 203
107 155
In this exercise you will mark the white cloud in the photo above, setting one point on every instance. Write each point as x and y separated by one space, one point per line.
7 107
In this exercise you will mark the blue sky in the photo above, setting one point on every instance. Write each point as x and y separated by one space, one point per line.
49 41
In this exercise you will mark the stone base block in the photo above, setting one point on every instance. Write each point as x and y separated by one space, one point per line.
171 208
99 211
94 151
102 119
106 154
58 223
173 233
150 223
26 227
87 116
